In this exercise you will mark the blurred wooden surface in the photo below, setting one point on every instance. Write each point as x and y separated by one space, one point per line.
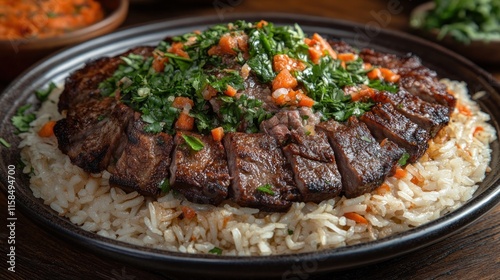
472 253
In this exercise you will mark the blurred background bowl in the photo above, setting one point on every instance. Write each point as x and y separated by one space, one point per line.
481 52
18 55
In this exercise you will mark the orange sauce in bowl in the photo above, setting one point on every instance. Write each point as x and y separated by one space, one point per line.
23 19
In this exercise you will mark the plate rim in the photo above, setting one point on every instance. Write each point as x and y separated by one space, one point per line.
425 235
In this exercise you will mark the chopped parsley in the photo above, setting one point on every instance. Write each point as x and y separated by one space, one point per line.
43 94
404 158
164 186
201 71
22 119
216 251
194 143
267 189
4 143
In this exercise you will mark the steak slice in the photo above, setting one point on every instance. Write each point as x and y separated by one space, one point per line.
363 162
385 122
281 124
144 161
430 116
256 163
83 84
91 132
313 164
201 176
415 78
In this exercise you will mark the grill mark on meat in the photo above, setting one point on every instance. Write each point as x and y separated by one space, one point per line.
363 162
255 160
430 116
83 84
313 164
201 176
416 78
91 132
144 161
281 124
385 122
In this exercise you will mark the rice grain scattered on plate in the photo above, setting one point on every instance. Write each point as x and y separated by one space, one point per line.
440 182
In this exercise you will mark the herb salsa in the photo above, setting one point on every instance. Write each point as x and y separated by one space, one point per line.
199 81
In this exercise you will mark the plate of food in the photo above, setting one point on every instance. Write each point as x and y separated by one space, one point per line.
259 146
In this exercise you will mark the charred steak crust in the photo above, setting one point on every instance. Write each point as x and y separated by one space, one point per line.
201 176
144 161
267 170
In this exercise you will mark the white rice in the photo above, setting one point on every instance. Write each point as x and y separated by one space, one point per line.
457 160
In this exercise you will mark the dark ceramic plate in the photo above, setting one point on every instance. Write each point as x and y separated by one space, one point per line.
447 64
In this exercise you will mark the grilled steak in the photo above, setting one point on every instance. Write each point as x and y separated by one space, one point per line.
84 83
415 78
313 164
260 174
385 122
430 116
281 125
362 161
92 131
201 176
144 160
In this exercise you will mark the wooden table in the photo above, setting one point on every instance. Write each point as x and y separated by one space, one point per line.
472 253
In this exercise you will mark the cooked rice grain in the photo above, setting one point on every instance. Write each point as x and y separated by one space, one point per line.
440 182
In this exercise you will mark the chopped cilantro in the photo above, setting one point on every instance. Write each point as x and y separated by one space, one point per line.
194 143
267 189
165 186
43 94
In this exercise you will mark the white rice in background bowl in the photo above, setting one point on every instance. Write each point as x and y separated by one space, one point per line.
440 182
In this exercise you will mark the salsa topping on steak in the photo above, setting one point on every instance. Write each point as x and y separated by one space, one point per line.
259 114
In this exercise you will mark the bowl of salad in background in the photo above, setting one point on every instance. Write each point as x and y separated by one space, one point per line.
469 27
30 30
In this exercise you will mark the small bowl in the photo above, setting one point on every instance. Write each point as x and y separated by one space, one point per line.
17 55
481 52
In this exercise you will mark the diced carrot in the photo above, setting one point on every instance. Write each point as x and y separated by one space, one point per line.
214 50
283 61
389 75
261 24
477 130
209 92
304 100
400 173
324 45
364 92
281 100
230 91
225 221
342 63
218 133
463 109
177 48
356 217
374 74
367 65
315 54
188 212
180 102
47 129
346 57
383 189
184 122
284 79
228 44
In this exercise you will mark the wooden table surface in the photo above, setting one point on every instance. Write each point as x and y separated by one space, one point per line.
471 253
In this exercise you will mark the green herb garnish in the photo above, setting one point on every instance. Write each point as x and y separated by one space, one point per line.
216 250
404 158
43 94
165 186
4 142
267 189
194 143
22 119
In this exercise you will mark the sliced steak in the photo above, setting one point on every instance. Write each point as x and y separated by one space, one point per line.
256 164
415 78
281 124
91 132
144 161
362 161
201 176
385 122
430 116
313 164
83 84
